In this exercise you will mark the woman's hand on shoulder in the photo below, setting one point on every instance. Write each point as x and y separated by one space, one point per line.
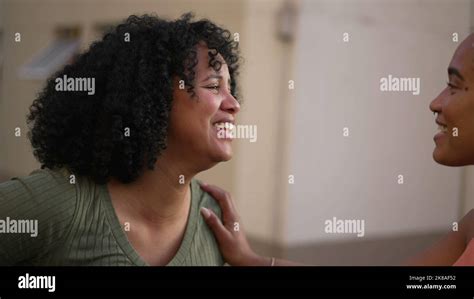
229 233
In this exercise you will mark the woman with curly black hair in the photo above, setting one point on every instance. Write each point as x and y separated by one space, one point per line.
116 185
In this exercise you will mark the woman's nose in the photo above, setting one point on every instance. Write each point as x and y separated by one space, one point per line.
230 104
435 105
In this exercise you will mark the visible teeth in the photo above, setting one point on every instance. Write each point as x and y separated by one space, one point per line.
224 125
442 128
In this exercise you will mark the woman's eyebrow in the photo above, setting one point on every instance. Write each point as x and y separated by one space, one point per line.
215 76
455 72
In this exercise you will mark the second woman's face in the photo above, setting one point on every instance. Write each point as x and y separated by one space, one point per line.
454 108
196 122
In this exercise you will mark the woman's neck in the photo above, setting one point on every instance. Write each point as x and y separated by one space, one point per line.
160 196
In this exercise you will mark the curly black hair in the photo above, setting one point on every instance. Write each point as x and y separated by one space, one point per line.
133 90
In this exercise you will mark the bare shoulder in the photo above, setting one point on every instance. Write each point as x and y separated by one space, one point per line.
468 223
447 251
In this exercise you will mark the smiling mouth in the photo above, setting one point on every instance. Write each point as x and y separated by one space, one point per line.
224 125
224 130
442 128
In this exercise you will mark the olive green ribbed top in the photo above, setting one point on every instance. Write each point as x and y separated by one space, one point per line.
77 225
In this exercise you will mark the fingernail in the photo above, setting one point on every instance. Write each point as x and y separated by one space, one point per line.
205 212
203 184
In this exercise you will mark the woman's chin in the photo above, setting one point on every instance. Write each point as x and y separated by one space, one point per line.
444 158
223 152
439 157
221 149
225 156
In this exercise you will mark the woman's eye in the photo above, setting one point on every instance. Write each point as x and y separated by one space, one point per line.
452 88
214 87
451 85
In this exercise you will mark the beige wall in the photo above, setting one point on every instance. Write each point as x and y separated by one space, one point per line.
391 133
260 193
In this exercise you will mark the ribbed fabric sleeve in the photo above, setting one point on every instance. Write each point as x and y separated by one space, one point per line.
44 197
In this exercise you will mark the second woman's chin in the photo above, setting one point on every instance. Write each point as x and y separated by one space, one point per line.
444 156
439 155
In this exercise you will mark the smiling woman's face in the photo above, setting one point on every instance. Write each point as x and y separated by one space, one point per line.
454 107
194 121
